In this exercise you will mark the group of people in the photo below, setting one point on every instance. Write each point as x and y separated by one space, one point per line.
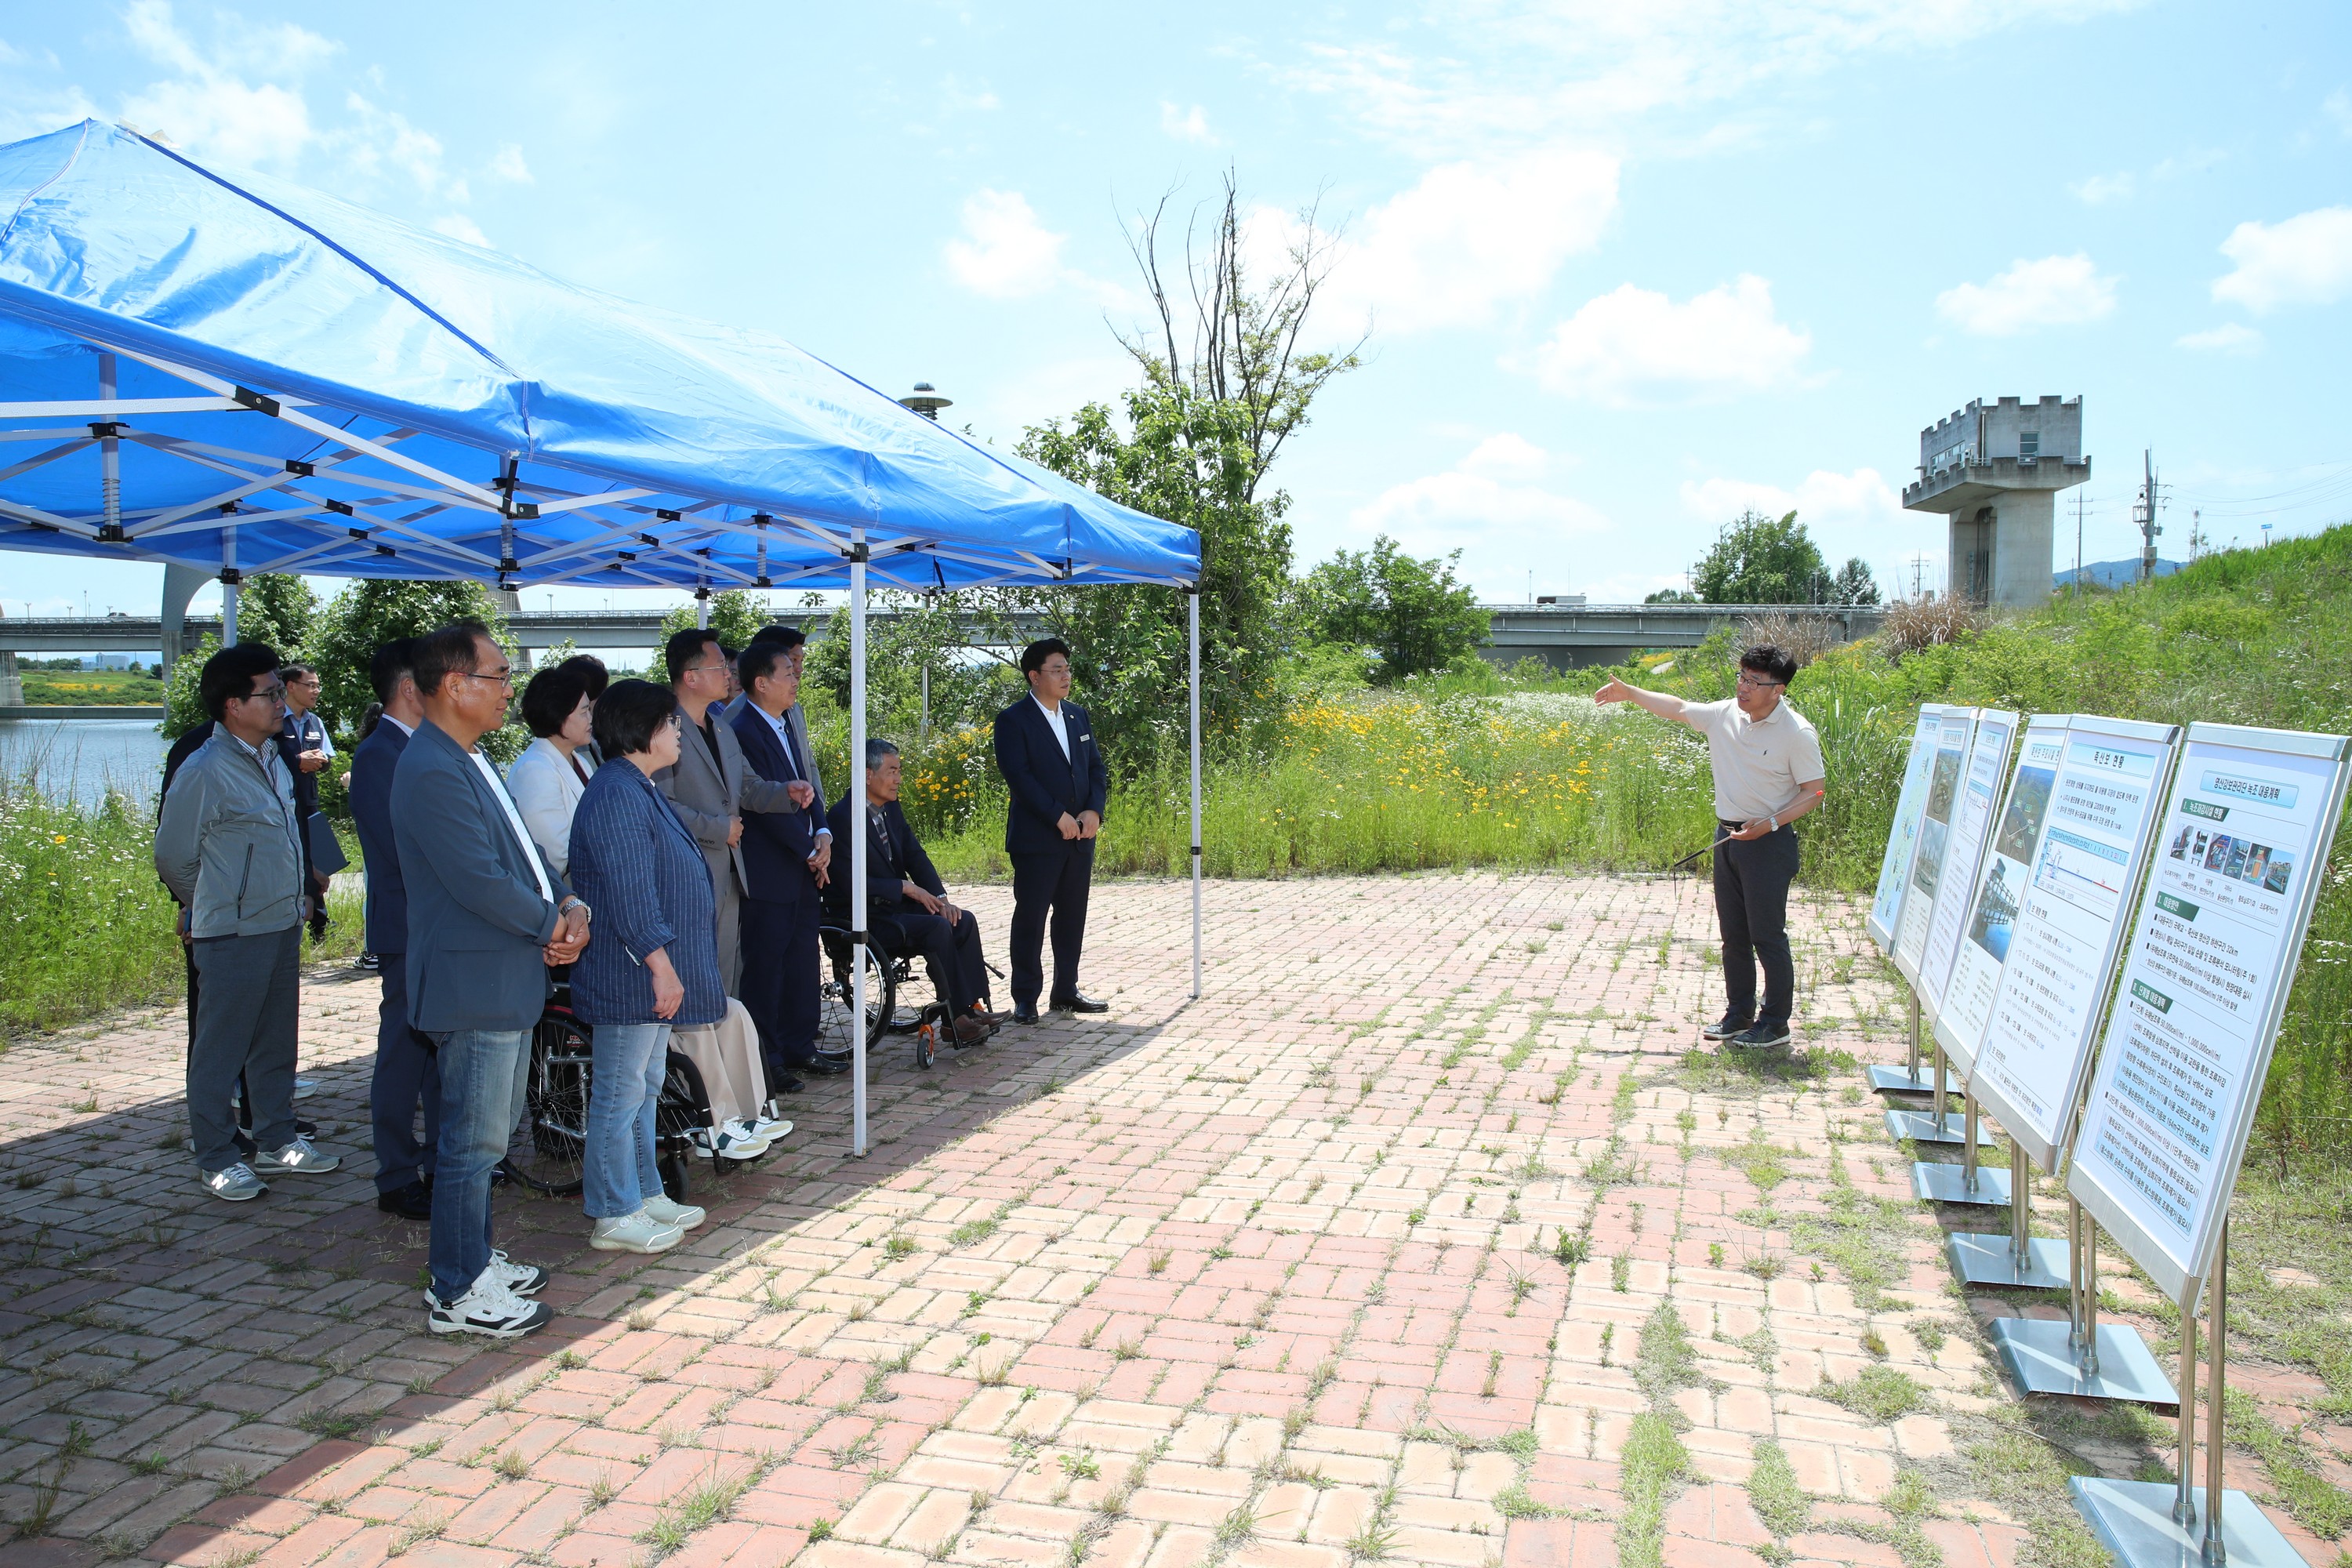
665 850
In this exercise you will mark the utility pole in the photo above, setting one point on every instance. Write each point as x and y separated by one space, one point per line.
2078 545
2148 528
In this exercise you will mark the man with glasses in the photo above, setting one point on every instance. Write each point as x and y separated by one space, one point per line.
228 844
711 787
1768 772
1053 768
487 918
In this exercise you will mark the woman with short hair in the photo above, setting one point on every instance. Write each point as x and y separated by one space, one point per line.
651 963
553 771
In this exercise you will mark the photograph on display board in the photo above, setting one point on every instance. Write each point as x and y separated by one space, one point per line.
2180 841
2217 853
1996 916
1927 868
2281 867
2029 802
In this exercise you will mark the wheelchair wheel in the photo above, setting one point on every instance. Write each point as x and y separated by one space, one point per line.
548 1151
836 1032
683 1106
927 1042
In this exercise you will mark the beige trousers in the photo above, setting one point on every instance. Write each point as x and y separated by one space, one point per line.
727 1055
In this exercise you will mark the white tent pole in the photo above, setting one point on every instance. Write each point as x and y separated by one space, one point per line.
701 608
1194 600
855 784
229 580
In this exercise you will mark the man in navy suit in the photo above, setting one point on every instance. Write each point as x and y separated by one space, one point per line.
910 910
1045 749
488 917
786 861
405 1069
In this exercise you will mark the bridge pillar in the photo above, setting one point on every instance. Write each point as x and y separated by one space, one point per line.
180 585
12 682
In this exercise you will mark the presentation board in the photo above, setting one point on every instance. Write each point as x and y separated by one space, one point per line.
2103 808
1936 814
1894 869
2219 929
1980 781
1975 979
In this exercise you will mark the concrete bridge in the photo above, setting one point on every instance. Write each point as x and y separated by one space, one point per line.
1565 636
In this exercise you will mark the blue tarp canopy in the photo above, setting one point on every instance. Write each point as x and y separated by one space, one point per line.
220 369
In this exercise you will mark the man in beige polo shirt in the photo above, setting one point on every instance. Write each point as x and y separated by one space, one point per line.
1768 772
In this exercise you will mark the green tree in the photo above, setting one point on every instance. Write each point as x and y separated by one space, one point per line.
1671 597
277 609
370 612
1410 613
905 635
183 708
1227 380
1760 560
1853 583
735 615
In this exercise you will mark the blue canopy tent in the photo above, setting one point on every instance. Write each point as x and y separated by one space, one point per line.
235 373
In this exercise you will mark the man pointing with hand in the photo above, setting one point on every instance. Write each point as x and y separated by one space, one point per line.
1768 772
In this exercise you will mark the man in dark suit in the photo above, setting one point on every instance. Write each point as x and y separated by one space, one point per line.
486 916
909 905
1045 749
404 1072
787 858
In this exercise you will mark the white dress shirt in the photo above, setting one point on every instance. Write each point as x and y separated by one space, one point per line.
514 820
1053 723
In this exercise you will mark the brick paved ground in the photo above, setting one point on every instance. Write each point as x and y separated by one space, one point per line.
1419 1239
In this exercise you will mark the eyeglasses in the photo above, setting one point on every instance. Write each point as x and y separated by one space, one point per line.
1748 679
1056 668
502 677
266 694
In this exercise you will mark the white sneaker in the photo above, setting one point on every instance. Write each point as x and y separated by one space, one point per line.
768 1128
522 1279
297 1159
638 1232
685 1217
489 1309
731 1141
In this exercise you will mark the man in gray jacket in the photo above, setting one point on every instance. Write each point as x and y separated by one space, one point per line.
486 916
230 847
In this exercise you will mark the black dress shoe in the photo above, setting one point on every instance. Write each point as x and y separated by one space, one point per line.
1023 1014
411 1201
826 1066
1081 1003
787 1084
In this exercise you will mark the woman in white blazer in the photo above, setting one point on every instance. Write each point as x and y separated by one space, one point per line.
548 779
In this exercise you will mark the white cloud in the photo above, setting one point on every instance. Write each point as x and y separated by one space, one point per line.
1470 237
1492 504
2229 338
238 100
2306 260
380 143
508 165
1521 70
2103 189
1186 125
1633 346
457 226
2055 291
1004 252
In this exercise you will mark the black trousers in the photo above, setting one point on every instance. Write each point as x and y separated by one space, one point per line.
1055 882
405 1073
780 978
951 954
1751 907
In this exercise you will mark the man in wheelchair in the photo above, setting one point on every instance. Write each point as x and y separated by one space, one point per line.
910 911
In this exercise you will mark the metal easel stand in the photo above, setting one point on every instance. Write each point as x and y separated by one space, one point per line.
1908 1079
2020 1259
1936 1126
1969 1182
2147 1525
2080 1356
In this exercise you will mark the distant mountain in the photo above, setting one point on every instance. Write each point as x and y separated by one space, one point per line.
2115 573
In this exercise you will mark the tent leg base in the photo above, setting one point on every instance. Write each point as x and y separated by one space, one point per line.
2133 1521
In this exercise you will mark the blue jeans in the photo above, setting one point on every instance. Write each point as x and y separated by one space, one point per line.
620 1170
483 1072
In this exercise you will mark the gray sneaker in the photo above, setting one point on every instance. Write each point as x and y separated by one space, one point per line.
297 1159
237 1183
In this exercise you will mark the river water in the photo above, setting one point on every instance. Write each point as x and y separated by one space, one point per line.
84 758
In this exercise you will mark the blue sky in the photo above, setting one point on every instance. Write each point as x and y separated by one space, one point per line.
1626 269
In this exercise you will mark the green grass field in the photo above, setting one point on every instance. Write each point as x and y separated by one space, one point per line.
92 688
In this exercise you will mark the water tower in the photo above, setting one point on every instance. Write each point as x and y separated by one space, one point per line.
1996 472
